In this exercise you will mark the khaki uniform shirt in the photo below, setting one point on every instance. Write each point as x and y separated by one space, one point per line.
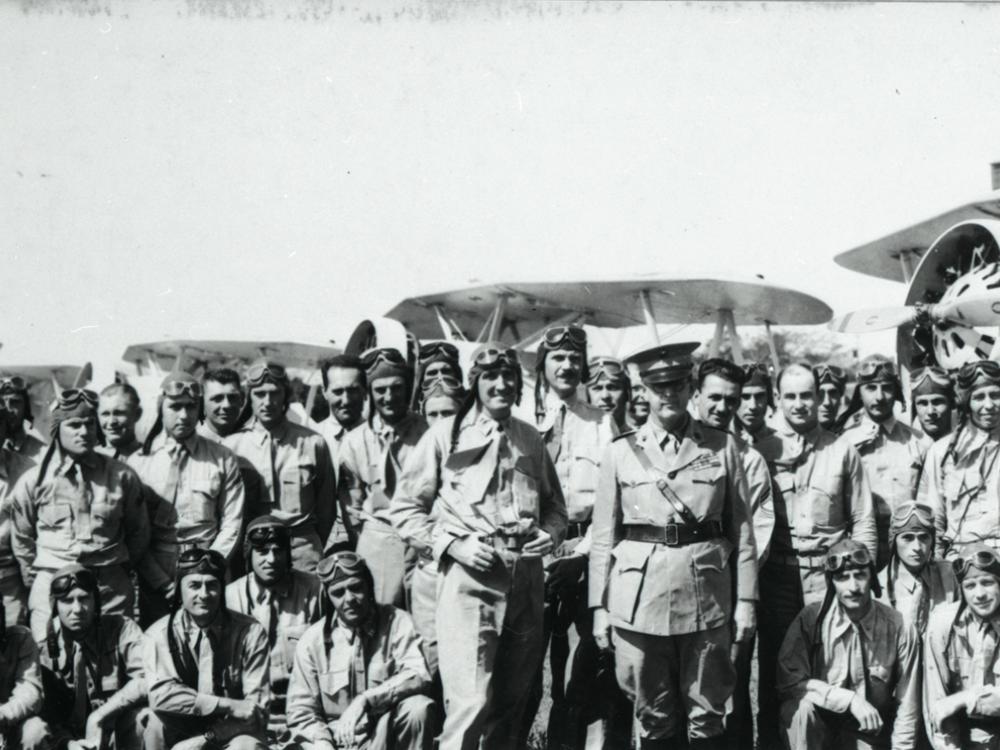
967 660
97 519
296 479
880 650
963 486
935 585
760 497
100 670
371 458
12 466
823 493
657 589
333 433
122 452
20 677
499 478
893 457
382 659
244 644
194 496
298 604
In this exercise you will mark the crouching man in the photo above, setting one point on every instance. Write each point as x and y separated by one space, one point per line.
848 670
206 667
359 673
91 668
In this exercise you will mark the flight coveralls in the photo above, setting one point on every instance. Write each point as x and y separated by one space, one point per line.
103 668
184 701
962 485
294 481
498 485
669 583
285 612
21 694
893 457
12 589
89 512
822 496
382 660
371 460
194 496
961 653
877 658
576 435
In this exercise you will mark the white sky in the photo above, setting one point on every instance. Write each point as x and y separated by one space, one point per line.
172 172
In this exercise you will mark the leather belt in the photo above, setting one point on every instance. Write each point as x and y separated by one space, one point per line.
577 530
674 534
813 559
507 542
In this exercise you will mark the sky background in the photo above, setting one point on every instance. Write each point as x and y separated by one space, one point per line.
284 169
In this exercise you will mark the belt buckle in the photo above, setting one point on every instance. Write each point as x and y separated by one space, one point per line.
670 535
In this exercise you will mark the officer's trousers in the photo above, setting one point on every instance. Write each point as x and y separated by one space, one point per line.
387 557
423 610
672 676
808 727
739 718
117 596
494 626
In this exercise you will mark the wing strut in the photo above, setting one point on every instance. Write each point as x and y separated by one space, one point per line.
773 347
647 313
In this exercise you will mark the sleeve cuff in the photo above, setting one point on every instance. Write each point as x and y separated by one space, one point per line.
206 705
838 699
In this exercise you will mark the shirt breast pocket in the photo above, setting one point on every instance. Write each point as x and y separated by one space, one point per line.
627 576
202 499
333 682
524 488
584 471
823 505
55 515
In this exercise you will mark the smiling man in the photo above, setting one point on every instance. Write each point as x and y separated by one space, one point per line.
118 412
344 387
223 400
849 669
822 496
891 452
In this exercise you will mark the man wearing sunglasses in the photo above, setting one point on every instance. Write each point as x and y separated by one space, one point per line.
78 505
831 385
92 669
932 398
609 388
294 478
673 570
821 496
206 667
576 434
118 412
962 657
371 461
359 674
345 387
961 477
15 408
849 669
891 452
756 397
283 600
193 491
224 401
480 496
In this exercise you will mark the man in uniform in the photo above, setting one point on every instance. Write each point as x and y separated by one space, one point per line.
283 600
21 693
371 460
224 400
638 404
15 404
344 387
849 669
822 496
436 359
609 389
480 495
78 506
718 396
932 396
891 452
831 384
206 667
671 505
91 668
576 434
118 412
756 397
194 494
294 474
12 589
359 674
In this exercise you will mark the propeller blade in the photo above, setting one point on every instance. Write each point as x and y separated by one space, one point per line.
974 310
872 319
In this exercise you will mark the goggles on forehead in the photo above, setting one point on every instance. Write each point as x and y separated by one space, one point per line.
262 535
876 369
836 561
756 369
10 383
178 388
443 382
373 357
904 514
340 565
73 396
436 350
197 559
493 357
722 367
557 335
609 367
81 579
970 371
829 373
984 559
935 375
264 372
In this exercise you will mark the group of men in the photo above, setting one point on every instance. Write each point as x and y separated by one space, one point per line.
395 575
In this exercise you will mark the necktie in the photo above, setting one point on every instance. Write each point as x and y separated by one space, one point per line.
81 702
858 660
270 611
359 671
553 439
272 462
507 510
82 501
176 452
206 645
